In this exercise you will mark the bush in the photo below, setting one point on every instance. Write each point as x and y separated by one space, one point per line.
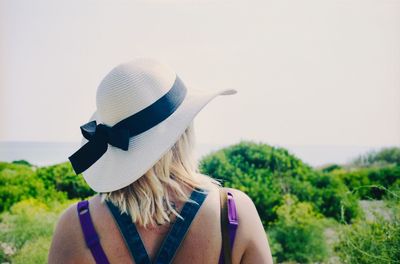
373 241
330 168
384 156
363 180
34 251
332 198
266 173
19 182
63 178
370 242
255 169
26 226
298 233
22 162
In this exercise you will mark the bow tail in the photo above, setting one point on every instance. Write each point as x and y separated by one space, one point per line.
87 155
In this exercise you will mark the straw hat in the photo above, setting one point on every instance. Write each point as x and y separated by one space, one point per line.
143 108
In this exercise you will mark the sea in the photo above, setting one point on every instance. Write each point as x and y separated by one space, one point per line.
49 153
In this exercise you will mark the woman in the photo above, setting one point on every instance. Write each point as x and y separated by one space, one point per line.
153 204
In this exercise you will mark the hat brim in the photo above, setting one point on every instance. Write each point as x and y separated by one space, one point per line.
118 168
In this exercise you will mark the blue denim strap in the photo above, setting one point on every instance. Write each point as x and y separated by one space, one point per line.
130 234
173 239
179 229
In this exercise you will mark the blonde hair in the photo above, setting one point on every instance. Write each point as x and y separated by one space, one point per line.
148 200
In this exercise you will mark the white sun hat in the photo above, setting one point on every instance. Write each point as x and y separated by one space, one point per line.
142 109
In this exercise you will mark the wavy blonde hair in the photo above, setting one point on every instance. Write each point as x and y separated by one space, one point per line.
148 199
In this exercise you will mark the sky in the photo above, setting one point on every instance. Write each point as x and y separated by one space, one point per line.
309 72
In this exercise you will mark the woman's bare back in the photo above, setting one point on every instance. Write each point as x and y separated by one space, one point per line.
201 245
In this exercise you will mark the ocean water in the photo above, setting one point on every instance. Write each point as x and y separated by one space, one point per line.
48 153
37 153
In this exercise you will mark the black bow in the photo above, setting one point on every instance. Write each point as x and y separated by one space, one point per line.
117 137
99 136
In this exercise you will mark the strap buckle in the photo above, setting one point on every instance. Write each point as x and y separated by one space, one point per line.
232 213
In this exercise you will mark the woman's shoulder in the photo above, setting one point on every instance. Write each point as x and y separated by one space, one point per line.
243 201
68 242
63 240
250 232
240 195
246 210
244 204
69 217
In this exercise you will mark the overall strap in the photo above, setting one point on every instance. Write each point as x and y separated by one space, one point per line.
89 233
179 229
130 234
229 224
233 219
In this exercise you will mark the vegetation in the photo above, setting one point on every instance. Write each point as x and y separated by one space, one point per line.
297 203
382 157
26 230
376 241
298 225
267 173
20 181
366 182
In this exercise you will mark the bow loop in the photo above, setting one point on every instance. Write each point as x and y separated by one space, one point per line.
117 137
89 129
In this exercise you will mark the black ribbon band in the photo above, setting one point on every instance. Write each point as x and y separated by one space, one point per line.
100 135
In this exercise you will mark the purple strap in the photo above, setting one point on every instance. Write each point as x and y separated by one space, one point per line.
232 225
91 237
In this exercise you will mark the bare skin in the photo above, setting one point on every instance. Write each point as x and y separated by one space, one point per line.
201 245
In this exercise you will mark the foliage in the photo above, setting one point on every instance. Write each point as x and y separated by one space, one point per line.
27 226
266 173
365 182
19 182
250 167
22 162
332 197
34 251
384 156
291 197
32 199
297 234
331 167
376 241
63 178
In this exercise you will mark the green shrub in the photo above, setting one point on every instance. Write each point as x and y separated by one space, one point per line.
370 242
33 252
332 198
266 173
255 169
298 233
373 241
331 168
63 178
22 162
384 156
362 181
26 225
19 182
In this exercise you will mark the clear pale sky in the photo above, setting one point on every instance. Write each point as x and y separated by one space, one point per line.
312 72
